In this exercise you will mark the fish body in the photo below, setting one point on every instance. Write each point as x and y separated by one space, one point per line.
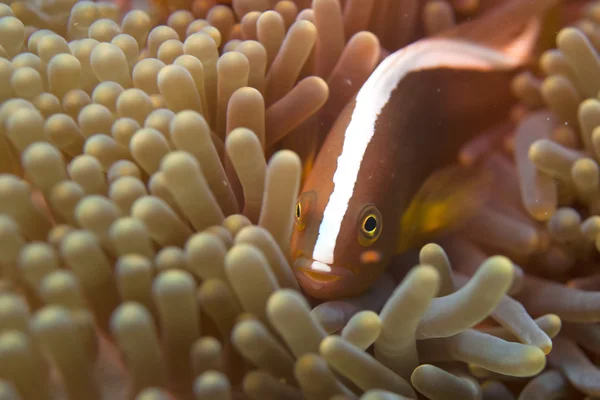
365 196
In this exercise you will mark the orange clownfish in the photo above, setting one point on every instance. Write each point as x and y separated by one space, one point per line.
373 191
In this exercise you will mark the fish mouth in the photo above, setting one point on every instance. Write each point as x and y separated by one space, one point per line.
317 275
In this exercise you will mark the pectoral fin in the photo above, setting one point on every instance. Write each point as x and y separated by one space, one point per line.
448 198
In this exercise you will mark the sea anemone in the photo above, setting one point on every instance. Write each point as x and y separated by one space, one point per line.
150 160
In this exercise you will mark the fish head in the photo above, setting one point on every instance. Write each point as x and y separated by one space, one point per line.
339 253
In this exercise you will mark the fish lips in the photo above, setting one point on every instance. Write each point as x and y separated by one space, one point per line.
324 281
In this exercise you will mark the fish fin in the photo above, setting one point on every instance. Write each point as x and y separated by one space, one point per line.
448 198
513 26
551 23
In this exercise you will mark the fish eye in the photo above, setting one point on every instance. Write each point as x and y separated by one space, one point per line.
370 225
298 216
302 209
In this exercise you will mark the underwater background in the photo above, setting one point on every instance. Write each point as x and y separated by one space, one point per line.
151 156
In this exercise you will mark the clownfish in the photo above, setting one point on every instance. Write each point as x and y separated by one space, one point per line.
378 185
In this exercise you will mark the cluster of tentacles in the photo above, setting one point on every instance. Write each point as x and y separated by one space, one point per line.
149 167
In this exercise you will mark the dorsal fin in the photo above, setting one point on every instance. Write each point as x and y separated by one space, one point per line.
513 23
